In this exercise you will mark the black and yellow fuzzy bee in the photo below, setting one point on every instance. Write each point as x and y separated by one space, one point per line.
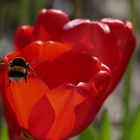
18 69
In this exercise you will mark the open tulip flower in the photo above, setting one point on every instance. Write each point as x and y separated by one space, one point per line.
75 66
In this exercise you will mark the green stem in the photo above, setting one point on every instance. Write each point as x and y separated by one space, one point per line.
39 4
24 12
76 8
133 12
127 92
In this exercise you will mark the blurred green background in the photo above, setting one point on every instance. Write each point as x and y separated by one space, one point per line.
119 118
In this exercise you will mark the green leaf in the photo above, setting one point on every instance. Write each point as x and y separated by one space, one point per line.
132 127
105 129
126 128
134 133
4 133
88 134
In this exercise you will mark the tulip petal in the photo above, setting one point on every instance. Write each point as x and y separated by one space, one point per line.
126 44
123 34
23 37
63 99
22 96
69 103
49 22
41 118
94 90
10 116
71 67
94 38
39 51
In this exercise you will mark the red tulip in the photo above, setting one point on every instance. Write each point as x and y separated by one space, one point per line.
71 81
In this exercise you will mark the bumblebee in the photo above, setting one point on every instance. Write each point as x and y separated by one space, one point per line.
18 69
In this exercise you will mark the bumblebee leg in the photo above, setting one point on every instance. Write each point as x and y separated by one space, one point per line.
9 81
26 80
33 72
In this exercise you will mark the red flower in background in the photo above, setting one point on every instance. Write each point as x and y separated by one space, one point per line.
71 81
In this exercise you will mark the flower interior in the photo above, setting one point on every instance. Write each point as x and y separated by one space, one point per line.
71 67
